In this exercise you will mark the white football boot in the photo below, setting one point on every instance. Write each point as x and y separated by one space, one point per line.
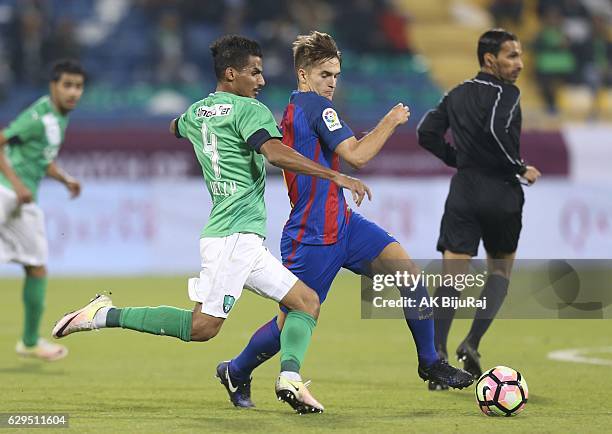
296 394
82 319
43 350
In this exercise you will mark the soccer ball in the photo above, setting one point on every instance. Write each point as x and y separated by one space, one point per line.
501 391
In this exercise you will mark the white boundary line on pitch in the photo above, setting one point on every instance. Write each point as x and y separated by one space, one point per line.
578 355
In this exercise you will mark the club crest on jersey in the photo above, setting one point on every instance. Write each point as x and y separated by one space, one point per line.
216 110
228 303
330 117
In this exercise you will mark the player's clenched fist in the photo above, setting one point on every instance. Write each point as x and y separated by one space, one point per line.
74 187
24 195
531 174
358 188
399 114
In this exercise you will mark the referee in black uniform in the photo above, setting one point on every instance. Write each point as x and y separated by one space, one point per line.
485 200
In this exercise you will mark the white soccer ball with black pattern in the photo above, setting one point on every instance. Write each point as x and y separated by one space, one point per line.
501 391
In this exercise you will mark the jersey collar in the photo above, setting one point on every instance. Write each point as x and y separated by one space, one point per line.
488 77
52 107
299 92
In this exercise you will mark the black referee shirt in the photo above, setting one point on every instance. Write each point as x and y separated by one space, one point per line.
484 116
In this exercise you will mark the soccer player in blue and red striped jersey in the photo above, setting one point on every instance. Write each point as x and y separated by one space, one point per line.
322 234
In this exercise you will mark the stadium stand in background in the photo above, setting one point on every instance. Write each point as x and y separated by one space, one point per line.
568 61
148 60
150 57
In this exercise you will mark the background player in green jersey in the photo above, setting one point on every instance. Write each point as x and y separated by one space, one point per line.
28 147
231 133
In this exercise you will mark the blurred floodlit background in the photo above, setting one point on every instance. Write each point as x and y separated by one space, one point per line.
144 201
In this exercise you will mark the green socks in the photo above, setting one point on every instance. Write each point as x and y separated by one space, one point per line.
171 321
295 338
34 289
161 320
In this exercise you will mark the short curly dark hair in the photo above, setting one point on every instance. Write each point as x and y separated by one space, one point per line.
66 66
233 51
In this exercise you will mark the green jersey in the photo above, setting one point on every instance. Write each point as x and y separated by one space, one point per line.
226 131
34 139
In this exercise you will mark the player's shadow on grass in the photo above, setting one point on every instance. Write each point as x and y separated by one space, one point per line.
332 417
32 367
539 400
533 398
413 413
267 420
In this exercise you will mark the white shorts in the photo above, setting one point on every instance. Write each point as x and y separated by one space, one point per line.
22 231
232 263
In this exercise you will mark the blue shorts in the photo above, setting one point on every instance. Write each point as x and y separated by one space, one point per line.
317 265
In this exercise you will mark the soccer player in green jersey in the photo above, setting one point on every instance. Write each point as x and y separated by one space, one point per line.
231 133
28 147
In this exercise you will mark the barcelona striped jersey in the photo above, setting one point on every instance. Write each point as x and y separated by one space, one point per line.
311 126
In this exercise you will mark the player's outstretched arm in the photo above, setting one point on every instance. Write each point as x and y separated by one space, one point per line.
24 195
57 173
282 156
359 152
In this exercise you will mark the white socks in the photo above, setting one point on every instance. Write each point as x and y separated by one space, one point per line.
293 376
99 319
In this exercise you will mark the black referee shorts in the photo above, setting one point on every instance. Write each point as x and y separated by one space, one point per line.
481 206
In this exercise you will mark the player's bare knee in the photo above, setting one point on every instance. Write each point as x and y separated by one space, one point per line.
393 258
37 271
203 335
312 305
302 298
204 327
204 332
412 267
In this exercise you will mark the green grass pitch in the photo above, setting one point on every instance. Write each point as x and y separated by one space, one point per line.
363 371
